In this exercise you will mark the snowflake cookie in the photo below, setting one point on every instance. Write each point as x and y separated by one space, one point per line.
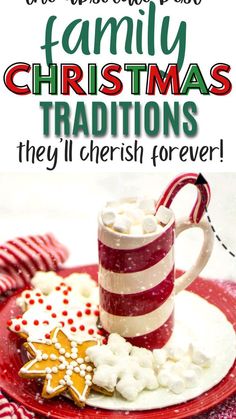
123 367
71 303
63 364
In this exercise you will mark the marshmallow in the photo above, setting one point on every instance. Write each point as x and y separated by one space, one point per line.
190 378
175 353
122 224
160 357
143 356
135 215
106 377
149 224
196 369
125 207
100 355
200 357
136 230
164 215
146 377
147 206
182 365
108 217
176 384
129 388
113 204
169 365
118 345
164 377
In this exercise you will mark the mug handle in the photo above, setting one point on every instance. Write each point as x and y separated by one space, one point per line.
188 277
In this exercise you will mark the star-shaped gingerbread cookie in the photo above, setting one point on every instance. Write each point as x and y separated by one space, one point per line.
63 364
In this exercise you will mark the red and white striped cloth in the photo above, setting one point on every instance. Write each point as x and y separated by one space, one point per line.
10 410
22 257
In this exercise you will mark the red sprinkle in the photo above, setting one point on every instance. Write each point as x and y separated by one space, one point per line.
63 324
24 322
73 329
40 300
64 313
79 313
31 302
47 336
88 304
38 294
27 295
104 341
54 315
17 328
65 301
58 288
96 312
90 331
19 317
69 288
65 292
87 311
36 322
82 327
62 284
45 322
70 321
48 307
9 322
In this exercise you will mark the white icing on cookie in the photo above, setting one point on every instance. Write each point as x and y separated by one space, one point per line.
84 287
46 281
59 374
71 303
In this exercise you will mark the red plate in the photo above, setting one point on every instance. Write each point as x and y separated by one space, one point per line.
27 392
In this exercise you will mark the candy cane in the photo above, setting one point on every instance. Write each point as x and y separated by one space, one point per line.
203 197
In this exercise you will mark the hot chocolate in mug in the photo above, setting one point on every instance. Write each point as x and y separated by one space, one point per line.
137 271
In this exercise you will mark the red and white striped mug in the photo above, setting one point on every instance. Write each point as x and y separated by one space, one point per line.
137 274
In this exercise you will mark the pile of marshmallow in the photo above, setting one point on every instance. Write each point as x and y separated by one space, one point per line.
129 370
178 369
135 217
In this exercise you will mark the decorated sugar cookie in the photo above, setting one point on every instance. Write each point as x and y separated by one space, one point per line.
84 287
63 364
71 303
